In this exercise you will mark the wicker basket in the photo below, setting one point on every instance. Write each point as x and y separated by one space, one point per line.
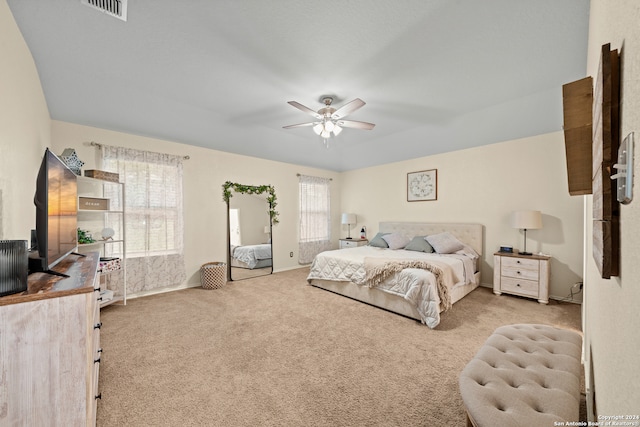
213 275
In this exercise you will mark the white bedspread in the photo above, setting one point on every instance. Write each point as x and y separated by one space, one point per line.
251 254
416 286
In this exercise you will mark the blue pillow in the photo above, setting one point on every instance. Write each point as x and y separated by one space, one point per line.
419 244
378 241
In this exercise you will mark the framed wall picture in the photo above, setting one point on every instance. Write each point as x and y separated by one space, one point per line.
422 185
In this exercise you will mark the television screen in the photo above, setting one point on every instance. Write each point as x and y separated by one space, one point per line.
56 210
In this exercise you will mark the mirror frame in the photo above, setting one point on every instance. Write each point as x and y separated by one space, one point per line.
227 193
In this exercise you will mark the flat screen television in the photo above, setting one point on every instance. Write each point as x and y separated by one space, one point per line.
56 201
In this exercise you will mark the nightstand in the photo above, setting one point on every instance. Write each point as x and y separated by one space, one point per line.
524 275
352 243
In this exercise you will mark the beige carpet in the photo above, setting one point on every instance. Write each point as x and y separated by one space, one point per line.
273 351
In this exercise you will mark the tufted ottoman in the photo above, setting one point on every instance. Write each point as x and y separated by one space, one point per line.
523 375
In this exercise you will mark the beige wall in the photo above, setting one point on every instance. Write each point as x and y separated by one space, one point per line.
24 130
484 185
204 174
611 309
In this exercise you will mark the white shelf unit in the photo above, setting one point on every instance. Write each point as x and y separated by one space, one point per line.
93 221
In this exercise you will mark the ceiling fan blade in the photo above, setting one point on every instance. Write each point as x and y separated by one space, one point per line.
354 124
347 109
305 109
299 125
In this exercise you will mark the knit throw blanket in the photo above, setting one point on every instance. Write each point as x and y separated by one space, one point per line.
379 269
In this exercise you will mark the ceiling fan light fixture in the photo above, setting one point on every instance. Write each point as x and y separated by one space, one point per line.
329 119
329 125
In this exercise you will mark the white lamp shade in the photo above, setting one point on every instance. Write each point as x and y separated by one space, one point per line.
348 218
527 220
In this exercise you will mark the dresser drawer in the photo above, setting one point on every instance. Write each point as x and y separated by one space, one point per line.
527 288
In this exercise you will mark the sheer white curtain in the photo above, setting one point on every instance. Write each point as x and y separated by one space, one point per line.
153 215
315 217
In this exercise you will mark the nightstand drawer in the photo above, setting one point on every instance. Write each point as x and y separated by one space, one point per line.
520 273
522 287
531 264
352 243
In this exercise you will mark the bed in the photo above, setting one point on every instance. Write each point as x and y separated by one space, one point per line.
251 256
406 282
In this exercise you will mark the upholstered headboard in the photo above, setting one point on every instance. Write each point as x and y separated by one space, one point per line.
470 234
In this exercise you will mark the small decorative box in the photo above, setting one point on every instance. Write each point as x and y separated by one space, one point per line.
93 203
109 265
103 175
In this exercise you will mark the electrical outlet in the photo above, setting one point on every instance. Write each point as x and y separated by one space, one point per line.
290 254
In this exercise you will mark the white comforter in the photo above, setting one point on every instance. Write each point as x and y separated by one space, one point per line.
251 254
417 286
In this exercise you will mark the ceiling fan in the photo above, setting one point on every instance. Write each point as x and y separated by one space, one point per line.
329 121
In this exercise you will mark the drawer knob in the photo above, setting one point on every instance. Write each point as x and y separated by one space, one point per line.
99 396
517 272
518 284
97 360
98 325
518 262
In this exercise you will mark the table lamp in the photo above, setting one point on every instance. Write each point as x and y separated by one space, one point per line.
526 220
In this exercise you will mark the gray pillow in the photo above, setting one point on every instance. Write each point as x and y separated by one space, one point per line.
396 240
444 243
419 244
378 241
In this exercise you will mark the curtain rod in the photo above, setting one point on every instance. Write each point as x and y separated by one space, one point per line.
299 174
97 144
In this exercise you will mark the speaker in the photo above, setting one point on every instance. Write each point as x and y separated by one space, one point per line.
14 266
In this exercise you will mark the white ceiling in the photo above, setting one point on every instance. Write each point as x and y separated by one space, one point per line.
437 75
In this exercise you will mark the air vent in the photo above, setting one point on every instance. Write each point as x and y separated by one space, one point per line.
115 8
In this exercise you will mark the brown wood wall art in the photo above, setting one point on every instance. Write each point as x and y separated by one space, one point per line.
577 103
606 139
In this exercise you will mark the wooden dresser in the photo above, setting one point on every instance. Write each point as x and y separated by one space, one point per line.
49 348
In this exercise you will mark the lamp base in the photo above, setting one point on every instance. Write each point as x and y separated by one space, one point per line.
525 253
349 238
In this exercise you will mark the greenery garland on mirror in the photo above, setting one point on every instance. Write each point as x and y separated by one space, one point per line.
253 189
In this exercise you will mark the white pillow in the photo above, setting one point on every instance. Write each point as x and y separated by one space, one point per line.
396 240
468 251
445 243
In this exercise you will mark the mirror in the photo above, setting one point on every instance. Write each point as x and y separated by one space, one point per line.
250 216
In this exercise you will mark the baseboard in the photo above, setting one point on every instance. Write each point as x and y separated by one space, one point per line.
553 297
163 290
280 270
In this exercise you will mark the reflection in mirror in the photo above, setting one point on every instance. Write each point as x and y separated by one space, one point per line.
249 236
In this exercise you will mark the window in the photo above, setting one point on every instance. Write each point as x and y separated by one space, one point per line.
315 217
153 214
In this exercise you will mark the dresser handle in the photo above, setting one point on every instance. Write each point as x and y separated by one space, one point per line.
97 360
99 396
99 350
98 325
